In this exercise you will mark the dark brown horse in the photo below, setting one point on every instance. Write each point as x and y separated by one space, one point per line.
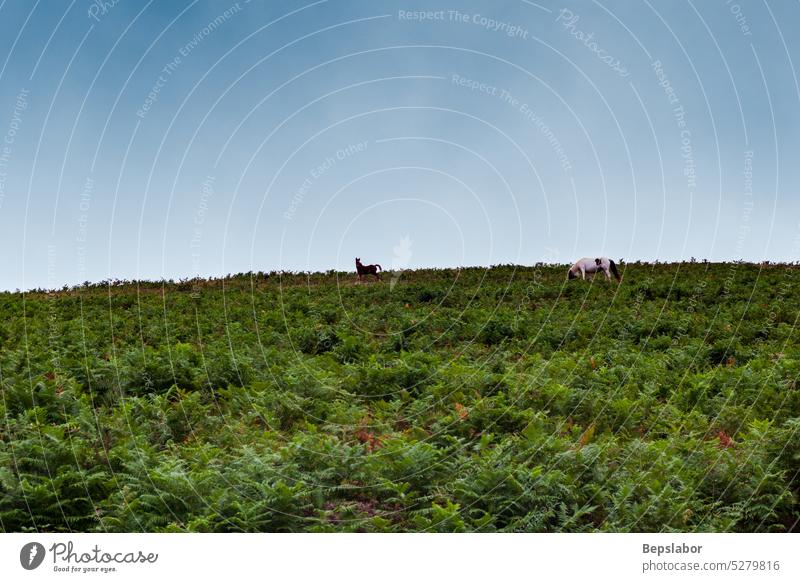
367 270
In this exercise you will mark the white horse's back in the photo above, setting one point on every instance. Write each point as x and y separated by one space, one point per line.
589 265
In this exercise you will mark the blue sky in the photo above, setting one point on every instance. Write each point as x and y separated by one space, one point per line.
173 139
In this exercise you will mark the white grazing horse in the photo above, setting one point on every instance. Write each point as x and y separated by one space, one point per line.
591 266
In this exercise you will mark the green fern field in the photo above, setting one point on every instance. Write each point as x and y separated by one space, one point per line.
501 399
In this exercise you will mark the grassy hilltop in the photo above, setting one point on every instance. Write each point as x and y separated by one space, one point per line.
500 399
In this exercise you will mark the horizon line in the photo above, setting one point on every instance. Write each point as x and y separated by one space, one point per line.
117 282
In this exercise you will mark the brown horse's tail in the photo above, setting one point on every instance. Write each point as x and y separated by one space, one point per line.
614 270
377 265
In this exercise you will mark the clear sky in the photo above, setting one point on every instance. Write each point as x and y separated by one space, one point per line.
173 139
